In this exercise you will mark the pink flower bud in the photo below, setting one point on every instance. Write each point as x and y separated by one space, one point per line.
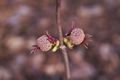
77 36
44 43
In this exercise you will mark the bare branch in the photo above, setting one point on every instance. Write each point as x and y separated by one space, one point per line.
62 46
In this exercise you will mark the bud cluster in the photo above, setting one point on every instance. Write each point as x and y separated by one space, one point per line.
47 42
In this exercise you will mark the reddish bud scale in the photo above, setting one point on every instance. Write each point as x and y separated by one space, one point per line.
50 38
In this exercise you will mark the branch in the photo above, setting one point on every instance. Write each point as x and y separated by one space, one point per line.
58 11
62 46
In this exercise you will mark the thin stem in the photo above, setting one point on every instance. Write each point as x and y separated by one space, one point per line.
58 11
66 63
63 48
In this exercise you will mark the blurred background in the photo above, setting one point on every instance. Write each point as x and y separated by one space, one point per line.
23 21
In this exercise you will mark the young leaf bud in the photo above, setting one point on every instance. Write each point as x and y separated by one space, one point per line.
56 46
68 43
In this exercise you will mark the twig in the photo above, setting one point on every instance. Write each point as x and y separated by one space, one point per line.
67 68
58 11
62 46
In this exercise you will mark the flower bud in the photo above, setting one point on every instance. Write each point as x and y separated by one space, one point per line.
44 43
77 36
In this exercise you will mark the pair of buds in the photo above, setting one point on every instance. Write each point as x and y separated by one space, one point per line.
75 36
